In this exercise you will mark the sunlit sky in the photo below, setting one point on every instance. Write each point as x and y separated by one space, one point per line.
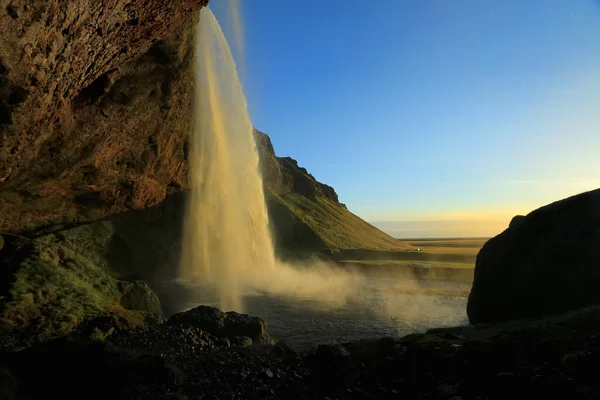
430 118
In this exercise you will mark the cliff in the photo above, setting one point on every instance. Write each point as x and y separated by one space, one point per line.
307 215
95 115
94 107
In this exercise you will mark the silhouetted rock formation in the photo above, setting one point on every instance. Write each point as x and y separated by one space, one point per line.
545 263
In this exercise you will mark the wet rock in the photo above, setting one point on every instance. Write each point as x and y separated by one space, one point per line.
171 341
229 325
137 295
331 353
332 363
242 341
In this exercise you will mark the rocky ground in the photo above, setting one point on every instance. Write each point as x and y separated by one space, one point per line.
179 360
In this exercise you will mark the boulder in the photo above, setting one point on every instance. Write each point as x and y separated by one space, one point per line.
137 295
230 325
547 262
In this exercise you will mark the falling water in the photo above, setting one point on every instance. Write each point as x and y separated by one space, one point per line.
227 242
227 235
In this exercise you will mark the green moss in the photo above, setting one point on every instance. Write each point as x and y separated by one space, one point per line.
56 290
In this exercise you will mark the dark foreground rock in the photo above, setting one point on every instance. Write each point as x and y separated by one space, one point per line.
545 263
231 325
550 358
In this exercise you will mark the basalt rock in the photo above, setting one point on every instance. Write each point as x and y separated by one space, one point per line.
63 368
283 175
95 104
230 324
545 263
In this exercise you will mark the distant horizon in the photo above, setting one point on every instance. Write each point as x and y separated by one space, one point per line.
432 229
442 238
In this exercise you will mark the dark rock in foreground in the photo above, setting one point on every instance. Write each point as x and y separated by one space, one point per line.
548 358
230 325
545 263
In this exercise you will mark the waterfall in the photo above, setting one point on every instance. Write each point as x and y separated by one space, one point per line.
226 237
227 246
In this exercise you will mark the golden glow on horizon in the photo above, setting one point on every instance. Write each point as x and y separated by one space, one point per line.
443 229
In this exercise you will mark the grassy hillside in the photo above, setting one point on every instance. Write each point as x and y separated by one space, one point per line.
307 215
335 226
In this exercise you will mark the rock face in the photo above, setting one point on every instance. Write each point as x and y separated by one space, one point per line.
306 215
94 107
95 115
547 262
230 325
283 175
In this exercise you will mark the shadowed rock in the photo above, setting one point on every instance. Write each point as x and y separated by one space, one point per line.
547 262
230 324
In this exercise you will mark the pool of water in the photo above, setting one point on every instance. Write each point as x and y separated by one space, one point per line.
381 307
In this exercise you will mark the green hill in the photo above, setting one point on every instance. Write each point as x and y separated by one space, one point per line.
307 214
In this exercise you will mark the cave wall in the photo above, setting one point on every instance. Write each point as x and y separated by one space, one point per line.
95 106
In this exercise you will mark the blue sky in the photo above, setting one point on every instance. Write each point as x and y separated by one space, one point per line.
461 111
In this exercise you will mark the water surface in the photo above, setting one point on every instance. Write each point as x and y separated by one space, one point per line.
381 307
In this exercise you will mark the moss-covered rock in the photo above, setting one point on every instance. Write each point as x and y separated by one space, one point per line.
50 290
137 295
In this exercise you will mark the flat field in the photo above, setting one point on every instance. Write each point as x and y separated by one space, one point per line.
466 247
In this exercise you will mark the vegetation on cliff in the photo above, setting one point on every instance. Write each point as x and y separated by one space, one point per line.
306 214
49 290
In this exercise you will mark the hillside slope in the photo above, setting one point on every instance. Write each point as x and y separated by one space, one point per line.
307 214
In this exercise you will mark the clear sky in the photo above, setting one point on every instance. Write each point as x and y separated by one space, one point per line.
430 118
